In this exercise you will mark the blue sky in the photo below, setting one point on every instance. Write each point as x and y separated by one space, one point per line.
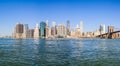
92 12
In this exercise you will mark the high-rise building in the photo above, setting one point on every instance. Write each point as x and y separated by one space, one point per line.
47 29
36 31
18 31
68 28
61 30
102 29
53 24
31 33
42 29
53 29
19 28
14 33
81 28
26 29
77 31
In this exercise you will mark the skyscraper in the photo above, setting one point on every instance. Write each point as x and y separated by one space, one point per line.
53 29
42 29
18 31
19 28
81 28
36 31
61 30
53 24
102 29
68 28
26 29
47 29
77 31
31 33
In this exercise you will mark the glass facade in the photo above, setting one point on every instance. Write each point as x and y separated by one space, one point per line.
42 29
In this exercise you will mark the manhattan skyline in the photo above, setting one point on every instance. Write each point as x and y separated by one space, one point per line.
93 13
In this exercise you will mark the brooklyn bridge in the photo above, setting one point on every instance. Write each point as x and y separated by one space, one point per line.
111 34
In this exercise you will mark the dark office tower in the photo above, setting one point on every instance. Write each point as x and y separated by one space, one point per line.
68 28
42 29
19 28
18 31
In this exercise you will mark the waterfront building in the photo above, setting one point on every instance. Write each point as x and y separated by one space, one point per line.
18 31
53 29
61 30
53 24
89 34
68 28
72 34
14 33
84 34
49 34
77 31
81 28
36 31
42 29
102 29
96 33
47 29
26 29
31 33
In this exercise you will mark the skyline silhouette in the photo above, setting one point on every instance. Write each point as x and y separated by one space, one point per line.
93 13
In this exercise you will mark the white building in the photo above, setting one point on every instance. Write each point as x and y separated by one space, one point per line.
81 27
36 31
96 33
47 29
25 31
53 24
102 29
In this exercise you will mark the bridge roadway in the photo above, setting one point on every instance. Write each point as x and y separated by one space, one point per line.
108 35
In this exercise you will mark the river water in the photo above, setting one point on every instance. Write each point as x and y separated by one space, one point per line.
59 52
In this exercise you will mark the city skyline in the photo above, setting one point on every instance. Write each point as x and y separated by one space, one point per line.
93 13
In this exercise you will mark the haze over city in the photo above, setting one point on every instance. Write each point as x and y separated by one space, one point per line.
92 12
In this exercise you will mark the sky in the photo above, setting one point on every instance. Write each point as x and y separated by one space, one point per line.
93 13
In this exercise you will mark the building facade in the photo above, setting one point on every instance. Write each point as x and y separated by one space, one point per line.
36 31
42 29
18 31
61 30
26 29
53 29
68 28
31 33
102 29
81 28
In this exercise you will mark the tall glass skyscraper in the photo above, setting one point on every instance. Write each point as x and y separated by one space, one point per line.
68 28
42 29
25 33
102 29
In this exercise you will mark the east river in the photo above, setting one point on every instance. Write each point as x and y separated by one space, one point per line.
59 52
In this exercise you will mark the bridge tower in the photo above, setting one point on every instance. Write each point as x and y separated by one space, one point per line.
110 29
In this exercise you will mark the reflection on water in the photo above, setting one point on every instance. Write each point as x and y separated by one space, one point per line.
59 52
36 41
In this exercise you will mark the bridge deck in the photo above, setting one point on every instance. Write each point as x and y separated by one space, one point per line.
110 33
